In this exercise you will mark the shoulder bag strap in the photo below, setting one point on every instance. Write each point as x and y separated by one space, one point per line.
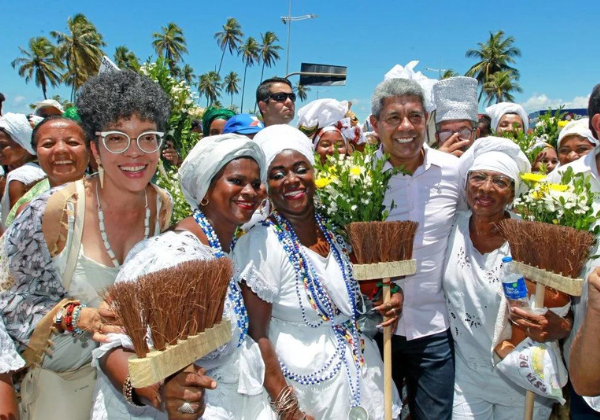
77 234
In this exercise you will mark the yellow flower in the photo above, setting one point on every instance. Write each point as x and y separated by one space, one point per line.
562 123
555 221
323 181
533 177
558 187
355 170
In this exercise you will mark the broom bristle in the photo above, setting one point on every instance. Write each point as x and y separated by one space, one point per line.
374 242
174 302
558 249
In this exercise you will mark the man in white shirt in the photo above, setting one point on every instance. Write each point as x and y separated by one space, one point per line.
426 191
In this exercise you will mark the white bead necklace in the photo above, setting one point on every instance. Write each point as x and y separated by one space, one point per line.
109 250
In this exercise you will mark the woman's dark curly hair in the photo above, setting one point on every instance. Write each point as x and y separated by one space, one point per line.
111 96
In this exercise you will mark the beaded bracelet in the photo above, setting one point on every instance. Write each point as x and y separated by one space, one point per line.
128 392
393 286
69 317
76 316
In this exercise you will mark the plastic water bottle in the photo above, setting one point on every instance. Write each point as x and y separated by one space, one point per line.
513 283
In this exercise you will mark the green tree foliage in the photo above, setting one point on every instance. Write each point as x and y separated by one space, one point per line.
39 63
126 59
232 85
497 54
499 87
80 49
229 38
301 91
250 53
448 74
187 74
170 43
268 51
210 86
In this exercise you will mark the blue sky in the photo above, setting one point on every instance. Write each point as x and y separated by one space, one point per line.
559 44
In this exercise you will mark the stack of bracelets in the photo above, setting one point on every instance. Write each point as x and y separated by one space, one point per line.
70 313
286 403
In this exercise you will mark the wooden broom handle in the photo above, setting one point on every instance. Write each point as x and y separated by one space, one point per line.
540 292
387 355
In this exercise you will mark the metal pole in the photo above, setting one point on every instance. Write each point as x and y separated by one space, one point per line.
287 53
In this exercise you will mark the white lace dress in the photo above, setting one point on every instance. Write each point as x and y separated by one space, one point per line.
473 290
237 366
311 351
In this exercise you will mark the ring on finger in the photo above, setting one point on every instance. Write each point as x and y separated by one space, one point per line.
186 408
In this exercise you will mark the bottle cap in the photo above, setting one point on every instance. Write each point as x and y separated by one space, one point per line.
507 259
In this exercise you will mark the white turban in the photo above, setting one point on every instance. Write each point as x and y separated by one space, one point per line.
18 128
277 138
407 72
321 113
578 128
207 158
497 111
495 154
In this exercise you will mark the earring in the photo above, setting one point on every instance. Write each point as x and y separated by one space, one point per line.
204 202
100 172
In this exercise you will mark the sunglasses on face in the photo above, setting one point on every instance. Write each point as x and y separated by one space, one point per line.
282 97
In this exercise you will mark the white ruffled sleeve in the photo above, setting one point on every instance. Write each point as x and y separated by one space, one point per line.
9 358
258 258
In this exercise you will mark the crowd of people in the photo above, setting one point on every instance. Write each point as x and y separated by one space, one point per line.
79 212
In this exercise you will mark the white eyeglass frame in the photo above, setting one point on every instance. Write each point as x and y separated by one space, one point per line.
103 134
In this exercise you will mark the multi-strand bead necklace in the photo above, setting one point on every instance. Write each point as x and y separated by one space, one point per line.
234 292
346 333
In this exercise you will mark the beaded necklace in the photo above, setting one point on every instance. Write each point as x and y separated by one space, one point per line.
109 250
234 292
346 333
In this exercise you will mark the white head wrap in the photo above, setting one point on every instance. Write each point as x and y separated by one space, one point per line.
277 138
350 134
19 129
498 110
495 154
321 113
579 128
455 99
407 72
207 158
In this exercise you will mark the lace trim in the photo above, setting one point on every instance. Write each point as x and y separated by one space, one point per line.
10 361
256 282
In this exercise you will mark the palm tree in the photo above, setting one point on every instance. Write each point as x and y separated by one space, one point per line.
126 59
495 55
80 49
268 51
210 86
229 39
232 85
187 74
250 53
39 64
170 44
301 91
448 74
499 86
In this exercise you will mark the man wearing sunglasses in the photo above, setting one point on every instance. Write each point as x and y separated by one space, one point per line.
455 114
276 101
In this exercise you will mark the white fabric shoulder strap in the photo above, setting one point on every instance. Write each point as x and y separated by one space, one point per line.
77 233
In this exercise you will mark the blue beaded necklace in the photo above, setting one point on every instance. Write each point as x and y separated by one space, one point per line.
347 333
234 292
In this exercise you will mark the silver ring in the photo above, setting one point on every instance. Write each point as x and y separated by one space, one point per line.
528 332
186 408
395 311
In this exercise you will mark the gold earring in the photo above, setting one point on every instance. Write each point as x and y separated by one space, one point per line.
100 172
204 202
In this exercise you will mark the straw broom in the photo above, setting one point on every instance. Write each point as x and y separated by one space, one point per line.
551 256
181 308
383 250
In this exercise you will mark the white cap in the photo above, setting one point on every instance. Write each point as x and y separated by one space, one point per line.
579 128
455 99
47 103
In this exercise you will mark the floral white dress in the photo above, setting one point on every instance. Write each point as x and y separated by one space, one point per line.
237 366
473 291
321 367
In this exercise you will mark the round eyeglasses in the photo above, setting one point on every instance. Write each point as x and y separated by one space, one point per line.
118 142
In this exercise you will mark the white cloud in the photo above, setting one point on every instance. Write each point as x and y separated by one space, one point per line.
18 100
538 102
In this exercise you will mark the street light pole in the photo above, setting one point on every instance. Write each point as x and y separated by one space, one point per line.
288 20
438 70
